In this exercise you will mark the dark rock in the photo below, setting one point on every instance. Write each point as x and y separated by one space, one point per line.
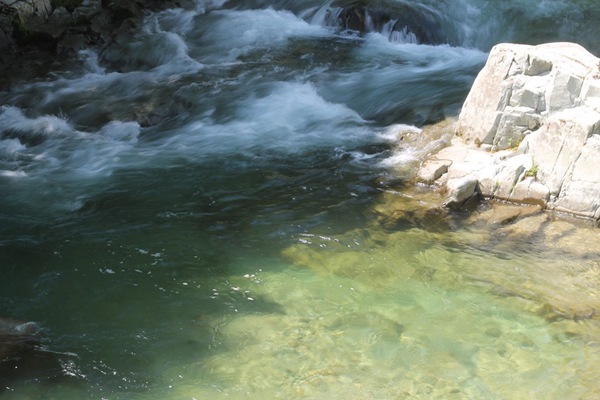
23 355
124 9
406 18
18 340
7 17
6 40
36 32
87 11
71 44
102 27
60 16
17 336
40 28
32 43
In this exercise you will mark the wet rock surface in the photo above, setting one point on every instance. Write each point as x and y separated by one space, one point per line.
411 21
17 336
23 354
37 39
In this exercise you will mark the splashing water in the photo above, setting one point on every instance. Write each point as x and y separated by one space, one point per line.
212 207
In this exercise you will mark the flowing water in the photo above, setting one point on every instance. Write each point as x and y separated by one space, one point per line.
189 214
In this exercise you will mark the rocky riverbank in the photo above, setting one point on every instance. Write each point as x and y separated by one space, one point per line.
529 132
526 141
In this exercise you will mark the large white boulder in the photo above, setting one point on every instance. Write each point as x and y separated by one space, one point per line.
520 85
536 111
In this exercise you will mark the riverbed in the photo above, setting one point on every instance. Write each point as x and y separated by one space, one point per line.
202 211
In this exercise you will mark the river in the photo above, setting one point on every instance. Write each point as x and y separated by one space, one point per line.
188 214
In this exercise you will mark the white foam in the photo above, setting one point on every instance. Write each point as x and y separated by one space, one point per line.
237 33
177 20
12 174
291 118
392 132
121 131
9 148
399 159
47 144
202 6
403 79
90 58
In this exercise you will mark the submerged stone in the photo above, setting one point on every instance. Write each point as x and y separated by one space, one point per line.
16 337
502 214
24 356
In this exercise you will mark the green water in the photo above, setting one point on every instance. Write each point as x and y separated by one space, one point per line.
310 302
214 207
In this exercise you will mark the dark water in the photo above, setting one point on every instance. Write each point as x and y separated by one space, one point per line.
161 202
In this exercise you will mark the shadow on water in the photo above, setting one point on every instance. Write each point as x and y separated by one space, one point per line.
140 275
230 241
118 324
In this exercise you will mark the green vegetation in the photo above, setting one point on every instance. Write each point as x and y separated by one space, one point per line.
514 143
21 30
533 171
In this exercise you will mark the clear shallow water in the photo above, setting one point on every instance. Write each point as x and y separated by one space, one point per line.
190 215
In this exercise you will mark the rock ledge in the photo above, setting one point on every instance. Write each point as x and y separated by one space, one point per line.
529 131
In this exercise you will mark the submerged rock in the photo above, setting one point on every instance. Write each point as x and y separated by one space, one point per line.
23 355
503 214
547 261
16 337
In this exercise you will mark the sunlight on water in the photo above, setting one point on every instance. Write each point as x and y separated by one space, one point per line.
376 322
211 208
372 312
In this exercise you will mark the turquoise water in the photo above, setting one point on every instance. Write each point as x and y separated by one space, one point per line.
215 207
167 311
